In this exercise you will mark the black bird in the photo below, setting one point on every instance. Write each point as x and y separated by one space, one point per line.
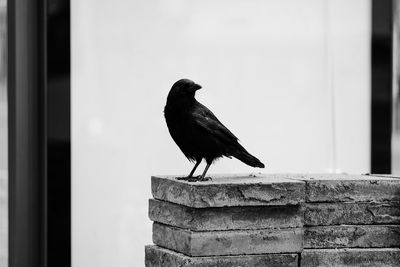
197 132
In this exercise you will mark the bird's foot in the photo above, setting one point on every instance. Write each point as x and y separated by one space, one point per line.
189 178
194 179
205 179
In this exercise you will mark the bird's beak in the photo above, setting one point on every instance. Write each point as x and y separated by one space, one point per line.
197 87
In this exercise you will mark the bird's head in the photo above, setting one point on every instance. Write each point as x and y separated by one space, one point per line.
183 91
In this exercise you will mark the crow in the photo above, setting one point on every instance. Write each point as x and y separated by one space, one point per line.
198 132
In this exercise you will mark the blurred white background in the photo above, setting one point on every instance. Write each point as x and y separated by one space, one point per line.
290 78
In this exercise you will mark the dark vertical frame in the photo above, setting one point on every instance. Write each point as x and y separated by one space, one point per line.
26 132
396 90
58 133
39 133
381 86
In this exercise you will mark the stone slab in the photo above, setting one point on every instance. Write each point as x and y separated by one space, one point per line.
349 188
225 218
229 190
351 236
386 257
385 175
236 242
351 213
161 257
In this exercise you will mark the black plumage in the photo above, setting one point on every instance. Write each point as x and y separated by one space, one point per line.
198 132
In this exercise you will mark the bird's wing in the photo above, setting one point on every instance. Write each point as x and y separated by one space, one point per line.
206 120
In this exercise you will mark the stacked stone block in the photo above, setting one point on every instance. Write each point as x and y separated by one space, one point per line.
275 220
351 220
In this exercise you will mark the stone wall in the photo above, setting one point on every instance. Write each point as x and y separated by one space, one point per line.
276 220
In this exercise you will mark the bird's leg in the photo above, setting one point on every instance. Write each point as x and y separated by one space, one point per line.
194 168
203 176
190 176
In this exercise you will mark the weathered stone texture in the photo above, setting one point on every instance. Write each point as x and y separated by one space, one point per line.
161 257
361 236
351 213
228 242
225 218
264 220
231 190
350 188
386 257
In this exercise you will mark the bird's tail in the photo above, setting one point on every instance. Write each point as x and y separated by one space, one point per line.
247 158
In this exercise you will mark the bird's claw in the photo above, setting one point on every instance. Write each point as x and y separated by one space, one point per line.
194 179
205 179
189 179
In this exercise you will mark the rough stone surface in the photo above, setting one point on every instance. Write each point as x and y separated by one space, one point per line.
161 257
351 213
225 218
386 175
349 188
386 257
350 220
345 236
228 242
239 190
